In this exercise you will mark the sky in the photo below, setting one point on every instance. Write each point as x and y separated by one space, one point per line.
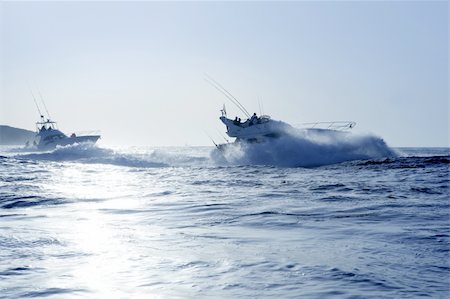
135 71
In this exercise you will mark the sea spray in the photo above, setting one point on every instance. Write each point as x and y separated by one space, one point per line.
296 148
305 148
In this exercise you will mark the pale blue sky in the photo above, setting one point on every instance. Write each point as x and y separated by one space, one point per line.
135 70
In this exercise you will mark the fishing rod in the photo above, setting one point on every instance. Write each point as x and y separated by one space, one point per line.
215 144
221 135
227 94
211 139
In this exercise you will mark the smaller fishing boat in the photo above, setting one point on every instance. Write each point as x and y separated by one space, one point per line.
48 136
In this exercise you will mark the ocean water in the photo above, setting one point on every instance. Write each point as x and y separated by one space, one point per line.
353 220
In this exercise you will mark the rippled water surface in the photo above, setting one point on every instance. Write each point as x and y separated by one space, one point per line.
92 222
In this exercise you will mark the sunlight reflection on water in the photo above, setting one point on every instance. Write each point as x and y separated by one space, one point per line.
106 231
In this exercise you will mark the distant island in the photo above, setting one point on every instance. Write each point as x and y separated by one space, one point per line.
15 136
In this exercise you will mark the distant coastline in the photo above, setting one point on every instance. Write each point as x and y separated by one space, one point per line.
15 136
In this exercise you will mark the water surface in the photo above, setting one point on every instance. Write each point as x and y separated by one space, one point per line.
93 222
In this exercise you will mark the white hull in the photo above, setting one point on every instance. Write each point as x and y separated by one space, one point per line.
67 141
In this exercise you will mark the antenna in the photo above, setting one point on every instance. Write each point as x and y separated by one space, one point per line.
259 104
45 106
227 94
37 106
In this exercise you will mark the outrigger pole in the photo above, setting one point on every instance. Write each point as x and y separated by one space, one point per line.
37 106
226 93
45 106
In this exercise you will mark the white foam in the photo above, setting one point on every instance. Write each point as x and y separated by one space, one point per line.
306 148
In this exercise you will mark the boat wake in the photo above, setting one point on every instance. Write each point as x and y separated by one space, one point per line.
91 154
296 148
305 148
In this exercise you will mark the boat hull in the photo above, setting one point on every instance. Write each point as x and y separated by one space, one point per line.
68 141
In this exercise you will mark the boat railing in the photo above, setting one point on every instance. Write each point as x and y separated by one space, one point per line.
86 133
330 125
264 118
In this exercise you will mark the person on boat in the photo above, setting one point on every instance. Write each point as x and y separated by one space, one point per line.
237 121
254 119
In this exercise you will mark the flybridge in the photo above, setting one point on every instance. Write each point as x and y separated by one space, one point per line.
254 129
45 124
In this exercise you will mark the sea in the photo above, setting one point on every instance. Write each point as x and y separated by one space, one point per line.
294 219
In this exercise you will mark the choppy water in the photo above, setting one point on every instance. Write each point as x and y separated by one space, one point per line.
92 222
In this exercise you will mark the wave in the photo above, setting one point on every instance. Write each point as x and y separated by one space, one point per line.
297 148
91 154
11 201
409 161
306 148
182 156
129 157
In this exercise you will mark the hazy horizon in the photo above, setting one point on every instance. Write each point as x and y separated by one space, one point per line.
135 71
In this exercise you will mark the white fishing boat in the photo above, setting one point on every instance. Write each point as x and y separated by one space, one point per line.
48 136
258 129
